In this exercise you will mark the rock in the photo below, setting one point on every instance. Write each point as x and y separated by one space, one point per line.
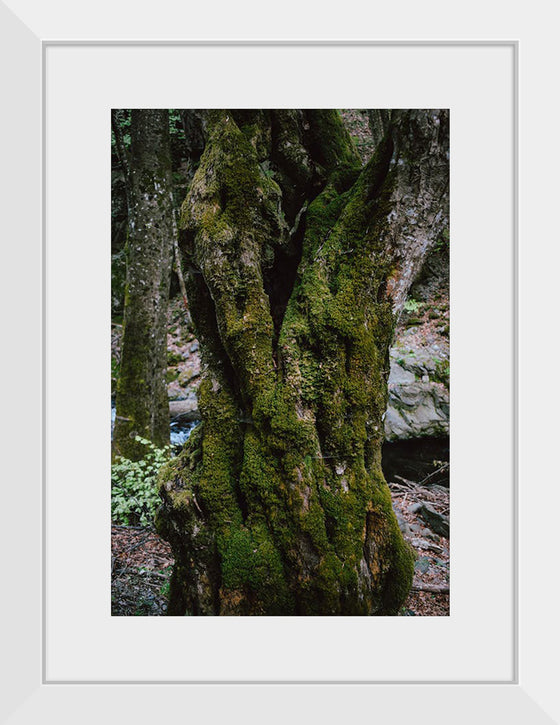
187 375
436 521
403 526
422 564
418 403
396 427
414 508
434 547
399 376
423 544
417 410
184 409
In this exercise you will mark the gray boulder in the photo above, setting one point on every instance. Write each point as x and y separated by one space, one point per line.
437 522
418 402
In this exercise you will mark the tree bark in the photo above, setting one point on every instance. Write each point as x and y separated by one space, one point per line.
300 263
141 401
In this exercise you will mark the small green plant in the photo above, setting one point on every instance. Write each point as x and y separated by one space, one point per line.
442 241
134 497
267 170
441 373
174 358
412 305
164 591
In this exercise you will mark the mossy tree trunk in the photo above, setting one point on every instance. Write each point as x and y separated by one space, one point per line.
141 401
300 262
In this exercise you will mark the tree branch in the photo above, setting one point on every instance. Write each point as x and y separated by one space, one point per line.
429 588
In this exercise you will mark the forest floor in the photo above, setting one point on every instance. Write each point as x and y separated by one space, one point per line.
141 561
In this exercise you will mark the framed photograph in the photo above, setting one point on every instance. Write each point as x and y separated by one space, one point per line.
68 656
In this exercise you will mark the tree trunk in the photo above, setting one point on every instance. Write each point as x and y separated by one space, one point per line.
142 405
300 262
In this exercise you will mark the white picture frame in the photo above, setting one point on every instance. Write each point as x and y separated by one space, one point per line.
528 695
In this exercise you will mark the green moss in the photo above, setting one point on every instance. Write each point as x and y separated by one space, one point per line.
135 389
249 560
289 153
441 372
330 140
174 358
255 126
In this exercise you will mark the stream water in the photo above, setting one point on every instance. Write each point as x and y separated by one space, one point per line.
179 430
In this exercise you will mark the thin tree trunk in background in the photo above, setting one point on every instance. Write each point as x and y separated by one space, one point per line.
179 272
141 401
300 263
